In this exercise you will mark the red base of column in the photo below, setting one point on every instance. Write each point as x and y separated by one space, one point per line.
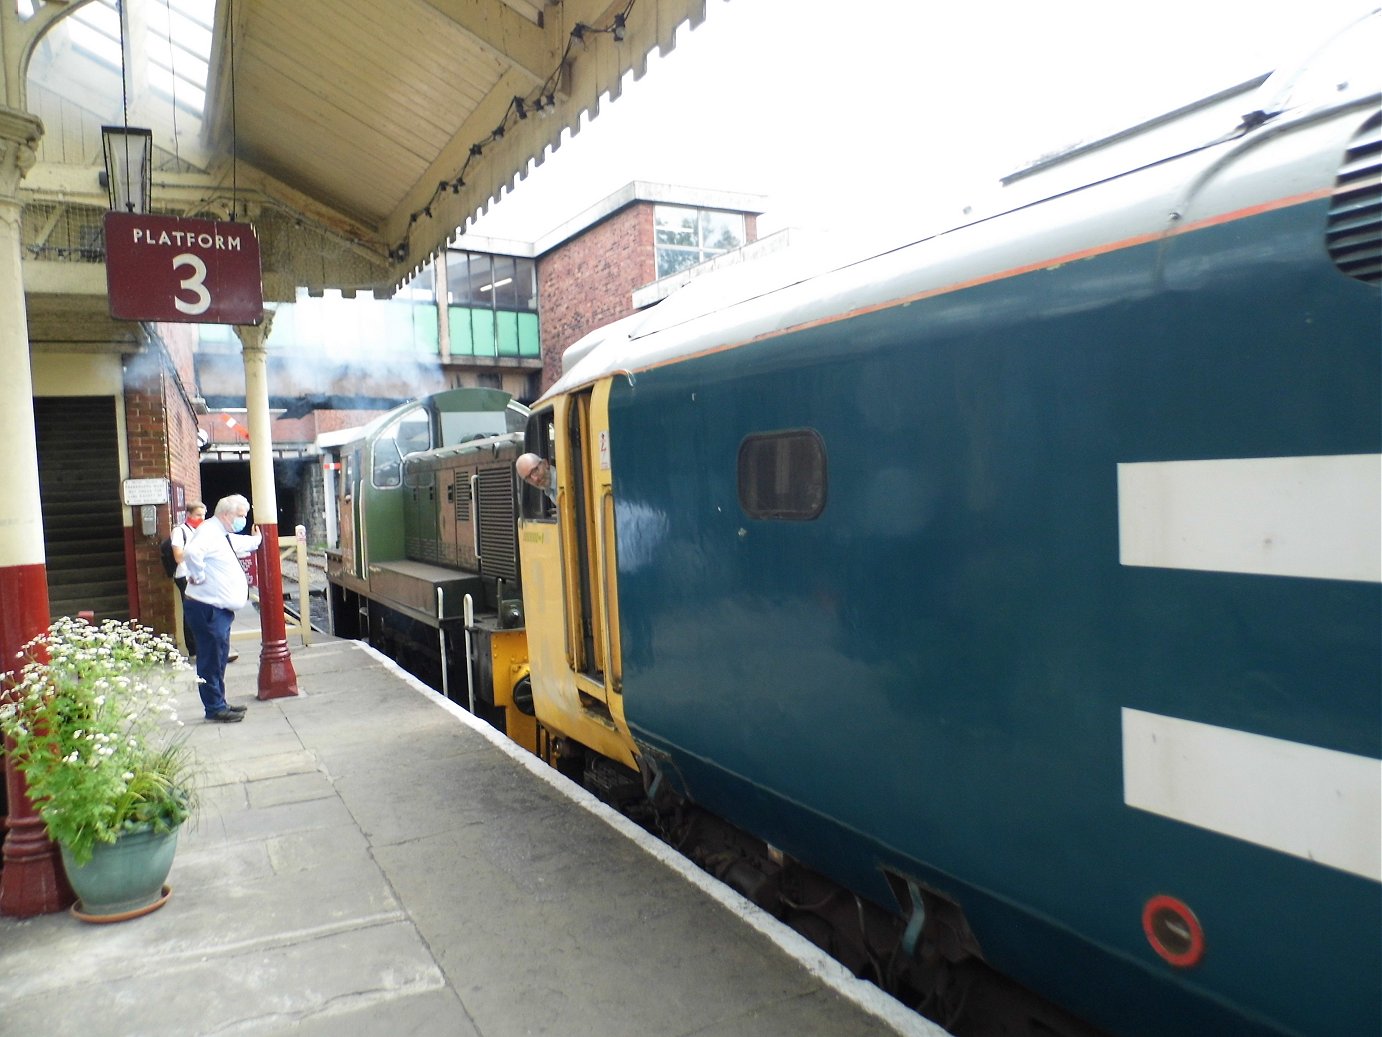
33 882
277 678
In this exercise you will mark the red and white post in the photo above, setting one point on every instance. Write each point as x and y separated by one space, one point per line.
32 882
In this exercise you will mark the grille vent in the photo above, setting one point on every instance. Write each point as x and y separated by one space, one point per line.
1354 233
462 497
498 523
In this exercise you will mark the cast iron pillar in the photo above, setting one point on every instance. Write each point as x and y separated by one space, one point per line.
277 678
32 882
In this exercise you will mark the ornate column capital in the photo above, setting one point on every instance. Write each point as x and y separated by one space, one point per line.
20 133
253 337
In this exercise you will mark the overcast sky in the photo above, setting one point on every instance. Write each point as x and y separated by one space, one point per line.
929 103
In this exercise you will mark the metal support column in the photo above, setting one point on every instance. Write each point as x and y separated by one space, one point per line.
277 678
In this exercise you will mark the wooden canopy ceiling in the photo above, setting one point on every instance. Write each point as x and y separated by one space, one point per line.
393 123
357 135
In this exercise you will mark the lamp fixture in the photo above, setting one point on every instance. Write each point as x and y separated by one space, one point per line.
129 155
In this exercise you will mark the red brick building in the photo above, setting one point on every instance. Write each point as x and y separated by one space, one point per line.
590 267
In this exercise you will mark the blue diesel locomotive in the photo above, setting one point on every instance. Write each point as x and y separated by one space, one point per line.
1013 596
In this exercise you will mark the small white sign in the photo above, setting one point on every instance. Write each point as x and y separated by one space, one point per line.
604 450
146 491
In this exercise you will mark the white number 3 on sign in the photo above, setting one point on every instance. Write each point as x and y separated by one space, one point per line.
194 284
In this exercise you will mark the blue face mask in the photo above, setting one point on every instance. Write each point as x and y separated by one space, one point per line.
238 524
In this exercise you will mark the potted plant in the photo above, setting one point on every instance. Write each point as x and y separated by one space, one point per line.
92 725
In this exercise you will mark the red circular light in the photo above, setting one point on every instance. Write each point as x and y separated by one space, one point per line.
1173 931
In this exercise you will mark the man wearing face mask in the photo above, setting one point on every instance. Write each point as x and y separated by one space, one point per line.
180 538
216 589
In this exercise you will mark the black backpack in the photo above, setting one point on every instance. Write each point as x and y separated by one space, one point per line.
165 554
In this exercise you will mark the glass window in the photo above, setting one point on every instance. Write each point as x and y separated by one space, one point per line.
686 237
486 282
539 438
408 433
782 475
721 231
505 292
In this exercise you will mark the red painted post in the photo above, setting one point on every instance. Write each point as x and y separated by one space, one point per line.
277 678
32 882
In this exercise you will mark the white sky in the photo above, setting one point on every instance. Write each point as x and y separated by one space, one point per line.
927 103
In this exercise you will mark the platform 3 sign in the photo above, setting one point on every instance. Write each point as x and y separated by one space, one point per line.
167 268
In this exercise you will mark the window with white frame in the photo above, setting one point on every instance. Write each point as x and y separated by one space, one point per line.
687 236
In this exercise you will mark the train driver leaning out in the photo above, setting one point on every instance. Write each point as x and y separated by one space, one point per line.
535 471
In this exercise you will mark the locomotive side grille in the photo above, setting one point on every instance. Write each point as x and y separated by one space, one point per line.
462 498
1354 231
498 523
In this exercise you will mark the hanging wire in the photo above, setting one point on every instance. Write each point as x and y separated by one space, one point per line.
543 101
234 136
124 100
124 80
173 74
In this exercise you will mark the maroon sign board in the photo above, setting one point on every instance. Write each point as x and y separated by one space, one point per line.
183 271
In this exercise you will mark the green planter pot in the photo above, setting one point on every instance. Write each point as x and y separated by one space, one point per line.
123 879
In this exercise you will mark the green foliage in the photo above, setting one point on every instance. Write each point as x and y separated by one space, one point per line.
92 725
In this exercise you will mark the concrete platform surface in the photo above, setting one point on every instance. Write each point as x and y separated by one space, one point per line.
370 860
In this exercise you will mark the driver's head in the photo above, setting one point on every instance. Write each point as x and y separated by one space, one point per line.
531 469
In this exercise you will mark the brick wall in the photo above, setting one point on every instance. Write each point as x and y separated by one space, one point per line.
161 442
589 280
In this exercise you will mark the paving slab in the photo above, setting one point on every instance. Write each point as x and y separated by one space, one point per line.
369 859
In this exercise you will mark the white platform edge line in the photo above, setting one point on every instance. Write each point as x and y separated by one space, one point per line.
817 963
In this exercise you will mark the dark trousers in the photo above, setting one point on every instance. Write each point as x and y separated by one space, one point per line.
187 634
211 627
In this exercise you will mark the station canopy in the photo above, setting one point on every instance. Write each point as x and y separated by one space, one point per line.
356 135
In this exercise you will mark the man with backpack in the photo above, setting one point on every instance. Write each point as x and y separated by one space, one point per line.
182 533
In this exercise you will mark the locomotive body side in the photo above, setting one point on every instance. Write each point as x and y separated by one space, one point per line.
902 586
427 568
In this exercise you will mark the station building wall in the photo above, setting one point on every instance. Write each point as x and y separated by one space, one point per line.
155 437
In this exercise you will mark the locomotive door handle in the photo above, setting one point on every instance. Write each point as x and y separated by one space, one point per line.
613 668
474 515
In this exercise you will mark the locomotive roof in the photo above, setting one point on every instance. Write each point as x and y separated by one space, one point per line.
799 287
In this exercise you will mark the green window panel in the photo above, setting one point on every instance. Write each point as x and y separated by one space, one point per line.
462 338
482 332
507 326
529 344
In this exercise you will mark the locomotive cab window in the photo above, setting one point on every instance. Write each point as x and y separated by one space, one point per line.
539 438
409 433
782 475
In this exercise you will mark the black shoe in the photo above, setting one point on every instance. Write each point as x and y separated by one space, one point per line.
226 716
232 657
235 709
